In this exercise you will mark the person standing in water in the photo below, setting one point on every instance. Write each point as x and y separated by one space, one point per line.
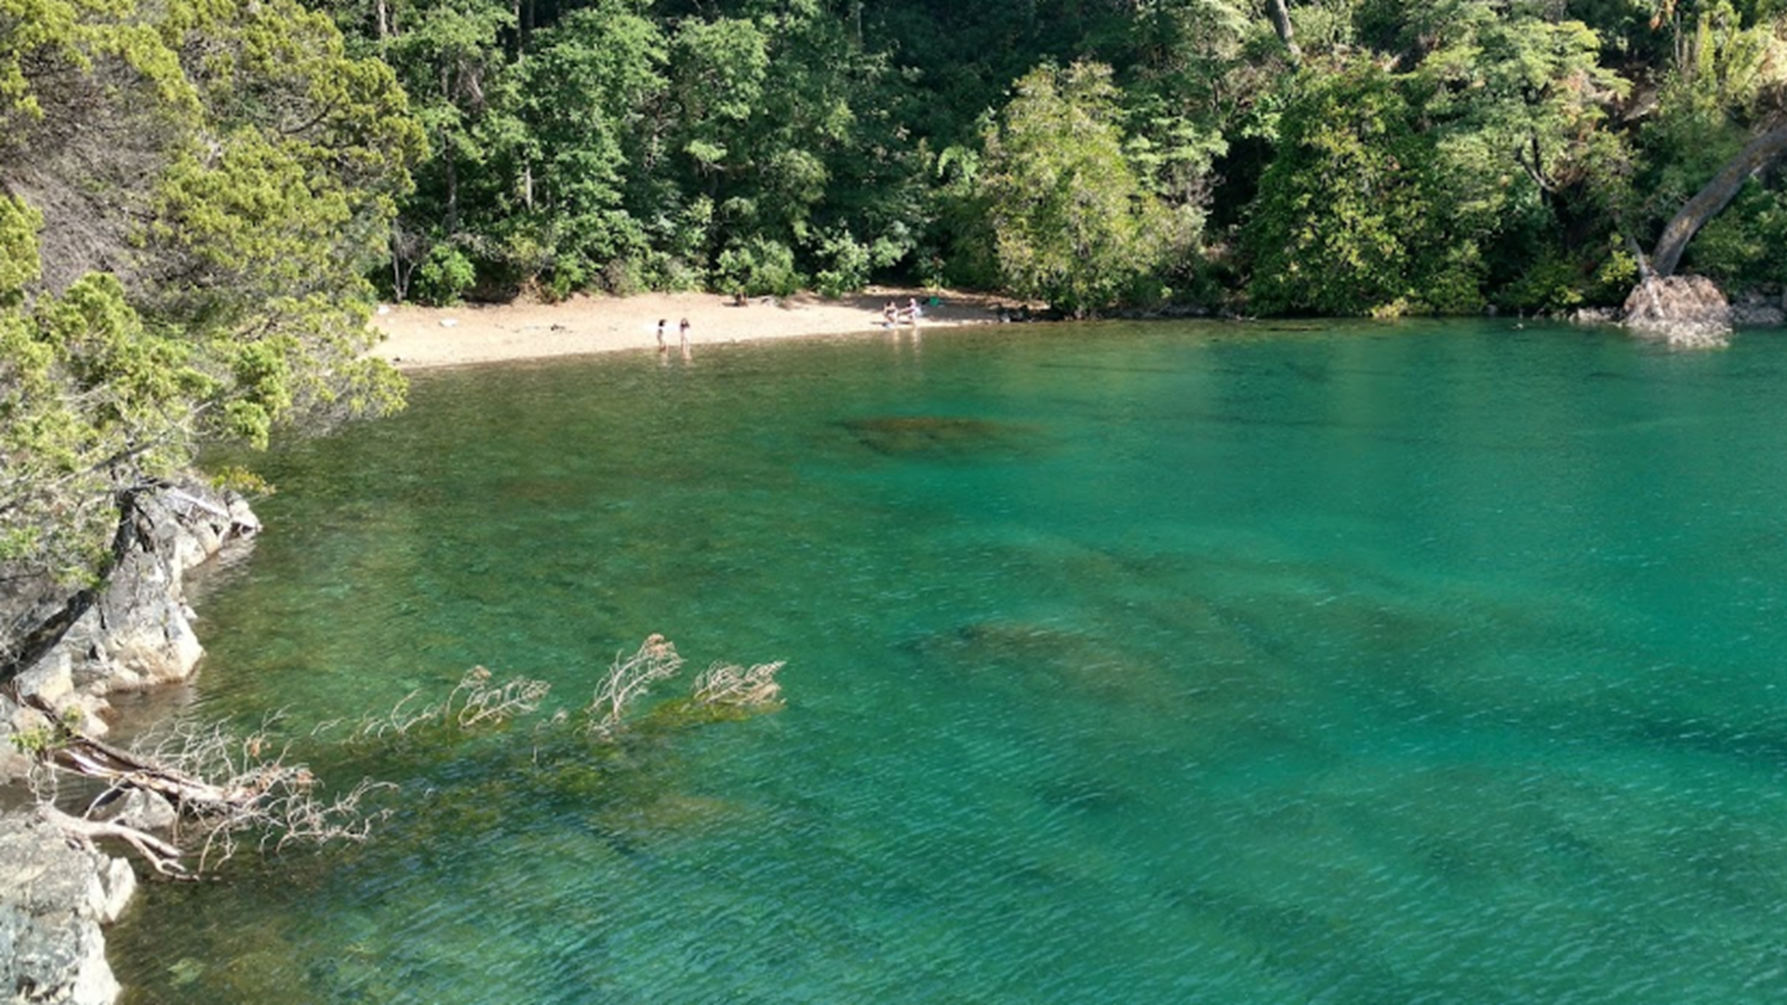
683 330
661 346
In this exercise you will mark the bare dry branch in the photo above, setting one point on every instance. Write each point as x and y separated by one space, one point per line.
731 684
628 680
162 856
474 701
224 788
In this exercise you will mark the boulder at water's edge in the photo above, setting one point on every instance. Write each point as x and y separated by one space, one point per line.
1686 311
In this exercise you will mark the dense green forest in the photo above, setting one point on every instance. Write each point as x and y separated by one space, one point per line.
1331 157
199 199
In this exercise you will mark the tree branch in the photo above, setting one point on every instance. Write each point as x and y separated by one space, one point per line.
1759 153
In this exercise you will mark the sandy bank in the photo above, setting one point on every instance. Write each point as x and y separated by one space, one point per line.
421 337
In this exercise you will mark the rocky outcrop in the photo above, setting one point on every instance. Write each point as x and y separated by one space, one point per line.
1689 312
134 629
131 631
53 899
1755 310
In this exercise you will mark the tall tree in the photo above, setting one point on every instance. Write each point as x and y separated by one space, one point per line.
1345 215
1718 127
591 82
1071 222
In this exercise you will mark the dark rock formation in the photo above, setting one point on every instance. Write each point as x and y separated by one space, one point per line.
1753 310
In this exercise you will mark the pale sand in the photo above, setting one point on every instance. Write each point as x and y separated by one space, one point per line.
421 337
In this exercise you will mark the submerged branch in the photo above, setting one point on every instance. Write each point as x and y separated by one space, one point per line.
216 792
731 684
628 680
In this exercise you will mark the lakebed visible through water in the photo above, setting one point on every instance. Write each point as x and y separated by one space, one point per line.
1126 663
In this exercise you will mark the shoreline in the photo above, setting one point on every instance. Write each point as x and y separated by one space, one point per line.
418 338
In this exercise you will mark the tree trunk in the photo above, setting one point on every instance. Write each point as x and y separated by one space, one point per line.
1281 23
1718 193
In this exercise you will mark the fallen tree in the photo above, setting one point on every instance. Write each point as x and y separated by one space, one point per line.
200 792
194 795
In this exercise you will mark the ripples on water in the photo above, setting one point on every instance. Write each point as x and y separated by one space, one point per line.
1142 664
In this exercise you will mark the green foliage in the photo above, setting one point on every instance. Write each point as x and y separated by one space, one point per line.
1339 224
846 265
241 171
240 480
38 741
757 267
86 392
19 264
1555 282
629 144
1072 223
444 277
585 94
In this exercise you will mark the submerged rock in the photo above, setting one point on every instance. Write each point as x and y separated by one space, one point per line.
940 436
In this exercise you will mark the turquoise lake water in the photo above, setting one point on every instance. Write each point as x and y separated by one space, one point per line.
1146 664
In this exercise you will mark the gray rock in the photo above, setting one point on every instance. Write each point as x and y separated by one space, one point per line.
141 810
53 900
1595 316
133 631
1753 310
137 631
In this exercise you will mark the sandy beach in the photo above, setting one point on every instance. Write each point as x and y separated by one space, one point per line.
421 337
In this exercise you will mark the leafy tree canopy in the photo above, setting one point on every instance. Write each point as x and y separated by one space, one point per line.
1071 222
190 194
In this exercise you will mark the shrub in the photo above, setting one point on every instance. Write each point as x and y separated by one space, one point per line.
444 277
756 267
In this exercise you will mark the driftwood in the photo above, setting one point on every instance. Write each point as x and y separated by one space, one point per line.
89 758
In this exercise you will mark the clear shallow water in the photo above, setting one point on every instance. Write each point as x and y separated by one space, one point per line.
1427 663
